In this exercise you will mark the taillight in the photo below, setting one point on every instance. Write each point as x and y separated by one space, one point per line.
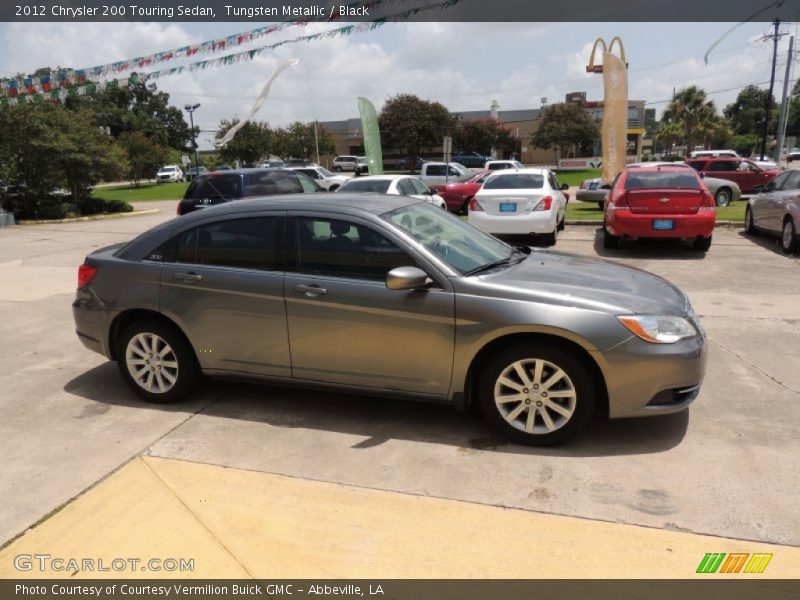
179 209
620 200
708 202
544 204
474 206
85 275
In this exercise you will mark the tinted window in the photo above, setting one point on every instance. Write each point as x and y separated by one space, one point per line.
722 166
405 187
269 183
793 182
418 186
435 170
217 186
180 248
696 165
343 249
514 181
378 186
309 172
242 243
777 183
661 180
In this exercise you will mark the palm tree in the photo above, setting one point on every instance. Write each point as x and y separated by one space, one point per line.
668 134
692 111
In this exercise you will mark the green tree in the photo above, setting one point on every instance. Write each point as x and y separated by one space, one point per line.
566 127
793 118
144 156
746 113
482 135
667 135
251 143
410 125
692 111
297 141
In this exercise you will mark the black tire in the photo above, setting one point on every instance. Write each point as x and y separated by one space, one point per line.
550 239
723 197
702 244
465 207
333 188
577 374
789 241
562 223
187 373
601 205
749 224
610 242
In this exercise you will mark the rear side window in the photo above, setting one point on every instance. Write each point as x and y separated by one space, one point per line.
270 183
379 186
697 165
661 180
515 181
217 186
240 243
722 166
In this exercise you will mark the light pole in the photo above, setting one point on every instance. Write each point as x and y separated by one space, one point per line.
190 108
311 98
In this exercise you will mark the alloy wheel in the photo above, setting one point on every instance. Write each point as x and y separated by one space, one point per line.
535 396
152 363
787 236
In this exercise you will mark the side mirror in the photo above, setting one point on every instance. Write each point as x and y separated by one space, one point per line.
564 187
406 278
758 188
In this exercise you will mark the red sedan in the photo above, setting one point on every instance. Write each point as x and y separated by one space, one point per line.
659 202
459 192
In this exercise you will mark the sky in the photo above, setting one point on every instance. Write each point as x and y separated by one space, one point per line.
462 65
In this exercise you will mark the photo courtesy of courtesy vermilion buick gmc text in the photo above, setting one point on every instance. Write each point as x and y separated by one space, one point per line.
388 295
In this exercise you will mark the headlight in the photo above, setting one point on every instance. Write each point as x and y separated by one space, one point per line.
659 330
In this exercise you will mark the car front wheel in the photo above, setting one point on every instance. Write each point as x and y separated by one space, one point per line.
537 394
789 241
156 361
749 225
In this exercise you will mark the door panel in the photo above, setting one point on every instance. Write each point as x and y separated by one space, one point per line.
346 326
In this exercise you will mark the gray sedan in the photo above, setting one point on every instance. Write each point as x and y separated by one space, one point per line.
391 296
776 210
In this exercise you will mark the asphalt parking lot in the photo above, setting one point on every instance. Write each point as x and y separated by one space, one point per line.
728 467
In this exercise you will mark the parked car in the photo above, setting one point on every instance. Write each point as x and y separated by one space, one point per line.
344 163
169 174
219 187
714 154
520 202
461 190
471 160
766 163
438 172
299 162
743 171
403 163
324 178
776 210
793 154
592 190
272 163
224 168
723 190
193 172
389 296
362 166
659 202
394 185
496 165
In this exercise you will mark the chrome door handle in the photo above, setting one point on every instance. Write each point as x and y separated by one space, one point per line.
187 277
310 290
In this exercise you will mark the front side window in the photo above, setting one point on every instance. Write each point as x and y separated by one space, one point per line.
340 248
418 186
240 243
436 170
378 186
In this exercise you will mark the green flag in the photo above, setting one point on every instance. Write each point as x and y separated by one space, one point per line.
372 136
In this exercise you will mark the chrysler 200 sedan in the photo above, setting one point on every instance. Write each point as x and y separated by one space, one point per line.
389 295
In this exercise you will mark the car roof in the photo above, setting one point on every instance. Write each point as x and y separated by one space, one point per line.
525 171
661 168
386 177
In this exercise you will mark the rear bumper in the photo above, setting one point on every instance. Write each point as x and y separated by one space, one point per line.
91 324
535 222
624 223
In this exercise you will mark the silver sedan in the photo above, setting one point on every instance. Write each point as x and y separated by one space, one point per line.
776 210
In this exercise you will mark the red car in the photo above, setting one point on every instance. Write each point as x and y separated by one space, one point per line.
741 170
659 202
459 192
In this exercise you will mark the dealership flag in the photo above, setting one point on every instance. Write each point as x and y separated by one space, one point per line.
372 136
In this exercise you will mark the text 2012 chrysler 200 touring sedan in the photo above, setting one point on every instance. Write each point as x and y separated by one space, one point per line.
390 295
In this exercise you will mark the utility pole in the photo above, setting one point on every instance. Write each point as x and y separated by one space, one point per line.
190 108
774 37
784 103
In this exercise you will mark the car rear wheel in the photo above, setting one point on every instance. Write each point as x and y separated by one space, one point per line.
610 241
749 224
789 241
550 239
723 197
156 361
702 244
465 207
562 223
336 168
601 205
333 188
537 394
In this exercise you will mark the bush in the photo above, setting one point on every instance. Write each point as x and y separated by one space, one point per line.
27 206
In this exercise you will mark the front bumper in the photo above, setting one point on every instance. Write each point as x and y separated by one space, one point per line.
534 222
624 223
645 379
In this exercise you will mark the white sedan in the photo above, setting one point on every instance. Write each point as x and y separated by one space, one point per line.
520 202
325 179
394 185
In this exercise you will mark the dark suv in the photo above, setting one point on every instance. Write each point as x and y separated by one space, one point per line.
218 187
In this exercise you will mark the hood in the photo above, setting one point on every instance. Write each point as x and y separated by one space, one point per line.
594 284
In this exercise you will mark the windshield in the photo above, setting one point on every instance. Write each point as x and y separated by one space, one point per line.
514 181
453 241
379 186
166 170
325 172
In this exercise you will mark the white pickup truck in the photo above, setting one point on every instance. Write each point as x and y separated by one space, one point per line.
439 172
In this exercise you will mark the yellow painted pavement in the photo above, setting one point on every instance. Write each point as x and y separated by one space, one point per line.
237 523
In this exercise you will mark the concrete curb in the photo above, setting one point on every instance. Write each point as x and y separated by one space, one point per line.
729 224
135 213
